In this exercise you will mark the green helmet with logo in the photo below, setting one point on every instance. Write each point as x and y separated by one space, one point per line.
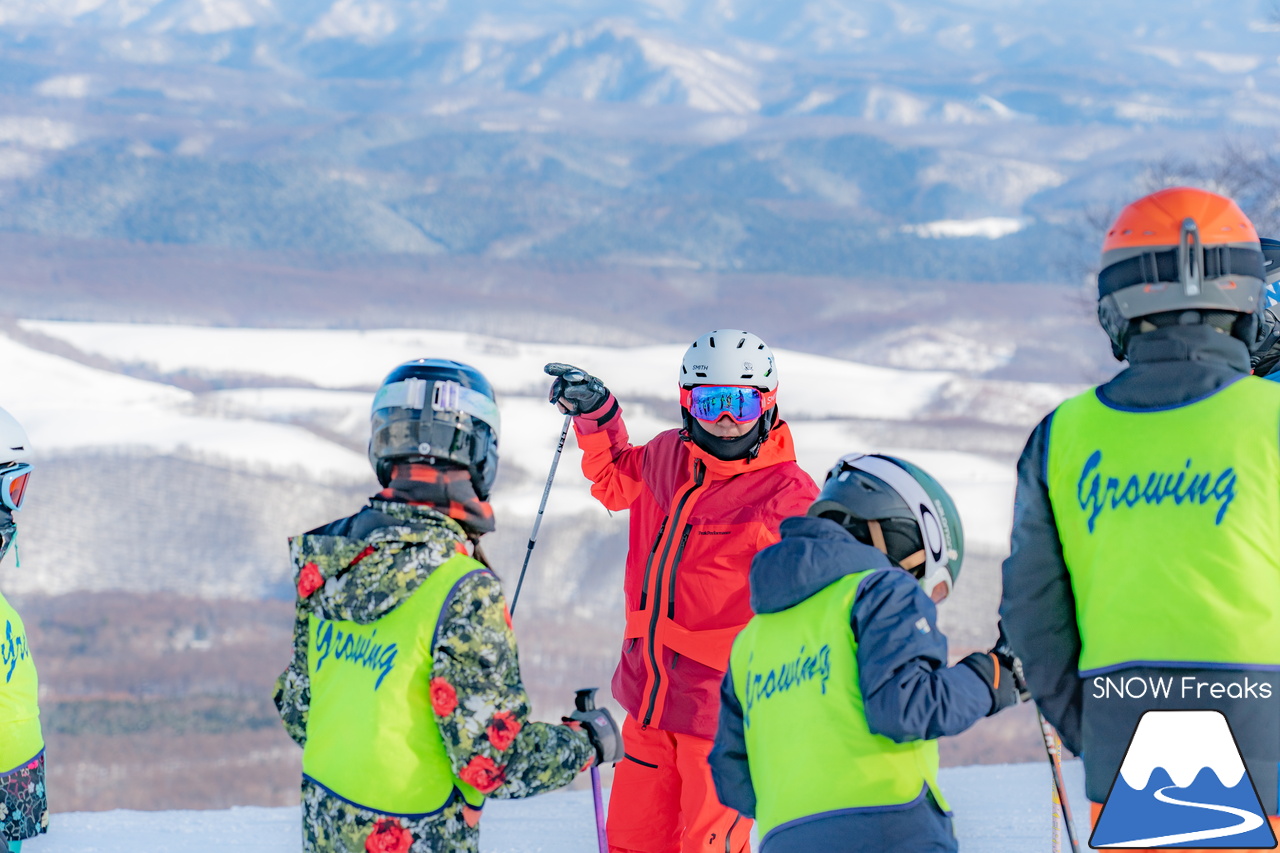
897 507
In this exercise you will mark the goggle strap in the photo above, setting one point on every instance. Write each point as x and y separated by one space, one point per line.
877 537
912 561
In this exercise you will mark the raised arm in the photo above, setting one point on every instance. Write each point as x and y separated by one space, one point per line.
609 460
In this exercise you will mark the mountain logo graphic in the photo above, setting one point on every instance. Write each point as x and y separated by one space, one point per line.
1183 783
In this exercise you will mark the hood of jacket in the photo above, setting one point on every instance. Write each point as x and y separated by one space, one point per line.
361 568
813 554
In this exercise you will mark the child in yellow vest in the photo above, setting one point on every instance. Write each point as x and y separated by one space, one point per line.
405 690
838 688
24 810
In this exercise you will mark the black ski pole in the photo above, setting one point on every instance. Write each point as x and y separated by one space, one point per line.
1052 746
537 521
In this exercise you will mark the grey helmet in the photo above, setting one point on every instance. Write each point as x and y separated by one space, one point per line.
440 412
896 507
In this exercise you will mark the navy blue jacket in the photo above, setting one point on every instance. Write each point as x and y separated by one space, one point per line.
908 690
1168 368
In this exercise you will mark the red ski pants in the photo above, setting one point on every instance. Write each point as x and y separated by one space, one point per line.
1096 809
663 800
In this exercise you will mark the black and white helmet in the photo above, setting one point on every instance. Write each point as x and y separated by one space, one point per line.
896 507
440 412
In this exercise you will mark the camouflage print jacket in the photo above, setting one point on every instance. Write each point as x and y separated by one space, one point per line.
476 693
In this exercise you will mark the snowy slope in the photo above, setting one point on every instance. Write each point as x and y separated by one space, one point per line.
824 399
262 433
999 809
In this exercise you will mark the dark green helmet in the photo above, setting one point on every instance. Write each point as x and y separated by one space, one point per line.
440 412
894 506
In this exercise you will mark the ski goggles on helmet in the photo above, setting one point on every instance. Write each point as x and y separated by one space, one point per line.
13 484
743 403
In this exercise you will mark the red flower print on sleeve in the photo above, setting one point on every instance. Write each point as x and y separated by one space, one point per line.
482 774
503 729
388 836
443 697
309 580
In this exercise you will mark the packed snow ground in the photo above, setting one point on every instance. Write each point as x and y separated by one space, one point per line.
998 809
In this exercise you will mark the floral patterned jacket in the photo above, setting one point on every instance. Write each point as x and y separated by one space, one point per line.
477 695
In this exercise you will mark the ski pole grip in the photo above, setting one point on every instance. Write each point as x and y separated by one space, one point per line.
1019 679
585 699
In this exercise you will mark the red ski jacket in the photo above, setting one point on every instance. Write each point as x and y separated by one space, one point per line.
696 522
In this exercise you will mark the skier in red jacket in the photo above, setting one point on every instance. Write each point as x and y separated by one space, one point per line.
704 500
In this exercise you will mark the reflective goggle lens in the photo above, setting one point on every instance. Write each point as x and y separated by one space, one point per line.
13 486
709 402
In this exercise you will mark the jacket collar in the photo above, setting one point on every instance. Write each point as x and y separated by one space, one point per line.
1188 343
779 447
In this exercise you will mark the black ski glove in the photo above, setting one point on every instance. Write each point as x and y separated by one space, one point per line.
599 725
1266 355
1004 654
575 392
998 677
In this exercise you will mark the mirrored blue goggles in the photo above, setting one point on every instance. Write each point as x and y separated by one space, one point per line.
742 403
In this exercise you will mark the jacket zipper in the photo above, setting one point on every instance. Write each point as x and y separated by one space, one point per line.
675 564
644 588
728 836
699 472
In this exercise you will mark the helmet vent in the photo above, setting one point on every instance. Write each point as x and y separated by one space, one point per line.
741 342
711 341
700 374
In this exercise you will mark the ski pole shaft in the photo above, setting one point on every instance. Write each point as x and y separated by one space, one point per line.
1055 838
1053 747
537 521
597 794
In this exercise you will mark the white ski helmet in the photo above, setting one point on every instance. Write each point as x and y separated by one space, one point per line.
729 357
15 466
14 444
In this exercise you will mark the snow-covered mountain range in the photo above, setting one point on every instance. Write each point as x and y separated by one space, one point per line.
951 139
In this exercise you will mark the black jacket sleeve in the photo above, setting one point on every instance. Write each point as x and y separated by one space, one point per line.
1038 606
909 692
728 759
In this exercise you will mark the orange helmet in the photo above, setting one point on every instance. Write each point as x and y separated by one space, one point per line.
1180 250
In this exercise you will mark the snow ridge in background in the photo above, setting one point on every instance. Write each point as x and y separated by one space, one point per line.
820 397
294 404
